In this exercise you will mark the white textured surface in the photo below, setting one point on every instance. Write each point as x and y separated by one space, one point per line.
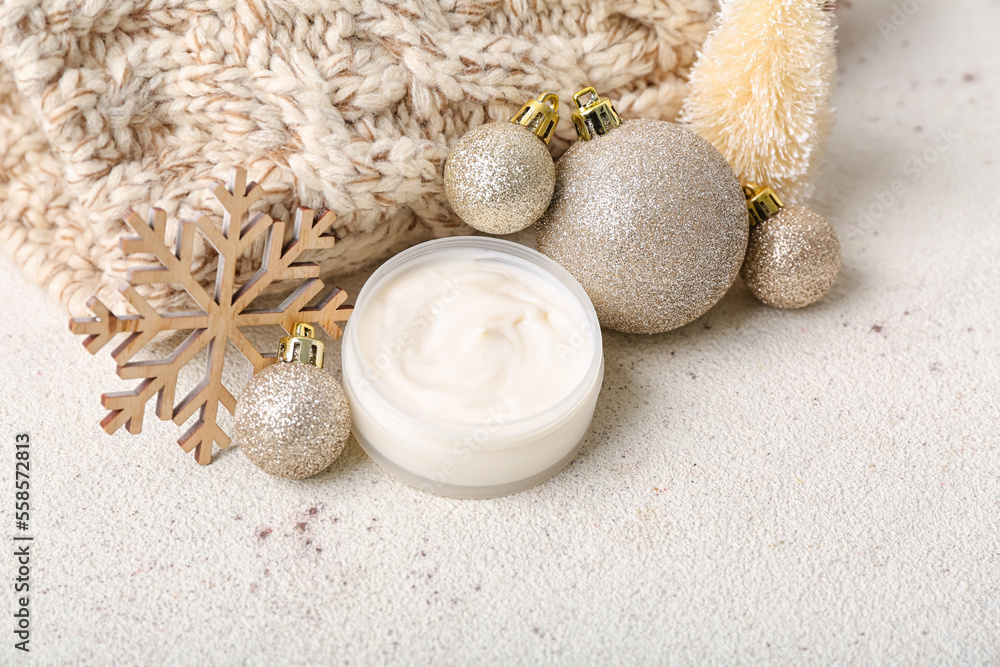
808 487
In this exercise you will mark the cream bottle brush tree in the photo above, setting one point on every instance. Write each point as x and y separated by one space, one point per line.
760 91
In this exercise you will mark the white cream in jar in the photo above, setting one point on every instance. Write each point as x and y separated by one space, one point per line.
473 366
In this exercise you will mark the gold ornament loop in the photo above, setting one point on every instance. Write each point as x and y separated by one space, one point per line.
762 201
596 117
539 115
302 346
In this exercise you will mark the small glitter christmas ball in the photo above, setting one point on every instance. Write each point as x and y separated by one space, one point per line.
793 258
292 420
651 220
499 178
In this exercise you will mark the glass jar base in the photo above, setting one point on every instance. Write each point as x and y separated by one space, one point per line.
469 492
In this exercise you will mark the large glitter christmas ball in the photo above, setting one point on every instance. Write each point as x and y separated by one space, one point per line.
793 258
292 420
651 220
499 178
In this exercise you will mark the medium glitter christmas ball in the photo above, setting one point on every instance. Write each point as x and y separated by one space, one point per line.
499 178
292 420
649 218
792 259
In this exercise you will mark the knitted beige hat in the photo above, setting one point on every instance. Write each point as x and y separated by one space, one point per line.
350 106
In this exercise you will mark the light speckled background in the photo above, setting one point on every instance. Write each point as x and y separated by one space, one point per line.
806 487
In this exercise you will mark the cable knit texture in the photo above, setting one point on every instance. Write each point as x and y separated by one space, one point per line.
350 106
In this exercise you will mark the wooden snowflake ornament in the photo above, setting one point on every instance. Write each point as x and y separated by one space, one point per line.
221 315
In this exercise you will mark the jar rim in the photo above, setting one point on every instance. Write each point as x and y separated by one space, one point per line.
551 416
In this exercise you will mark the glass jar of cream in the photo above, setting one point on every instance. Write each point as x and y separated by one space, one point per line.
472 366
